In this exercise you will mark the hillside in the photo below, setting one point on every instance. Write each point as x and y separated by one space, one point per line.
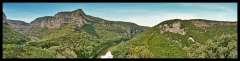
18 24
85 35
167 39
80 18
11 36
13 44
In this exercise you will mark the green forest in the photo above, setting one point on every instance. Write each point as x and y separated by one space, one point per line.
158 46
71 41
85 41
79 42
12 36
68 41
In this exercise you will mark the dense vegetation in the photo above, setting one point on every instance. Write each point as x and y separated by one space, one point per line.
224 46
124 24
13 45
12 36
15 51
160 47
85 41
71 41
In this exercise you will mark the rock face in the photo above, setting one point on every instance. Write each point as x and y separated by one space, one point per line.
18 25
60 19
206 24
176 28
78 17
4 18
130 31
190 38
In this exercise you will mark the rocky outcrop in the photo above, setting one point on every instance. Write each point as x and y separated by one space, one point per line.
4 18
18 25
130 31
190 38
78 17
54 46
60 19
208 24
175 28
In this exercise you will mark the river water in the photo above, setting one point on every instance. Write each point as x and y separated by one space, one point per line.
104 51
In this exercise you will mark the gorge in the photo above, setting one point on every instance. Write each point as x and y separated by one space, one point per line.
73 34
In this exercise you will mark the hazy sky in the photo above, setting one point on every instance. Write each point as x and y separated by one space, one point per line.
144 14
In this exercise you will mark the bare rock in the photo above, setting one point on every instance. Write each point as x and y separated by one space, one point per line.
54 46
4 18
125 34
177 24
61 18
190 38
78 17
18 25
168 38
201 24
73 28
176 41
175 29
161 32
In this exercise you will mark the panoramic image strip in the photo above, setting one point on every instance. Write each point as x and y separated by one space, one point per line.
119 30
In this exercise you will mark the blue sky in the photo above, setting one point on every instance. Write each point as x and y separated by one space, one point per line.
144 14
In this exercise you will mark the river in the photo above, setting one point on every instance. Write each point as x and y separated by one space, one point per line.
104 51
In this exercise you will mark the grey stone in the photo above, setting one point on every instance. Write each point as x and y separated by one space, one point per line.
176 41
190 38
206 24
60 18
18 24
78 17
165 25
73 27
161 31
4 18
177 24
160 26
175 29
54 46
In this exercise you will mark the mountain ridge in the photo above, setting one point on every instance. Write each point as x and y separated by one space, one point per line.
80 18
165 40
18 24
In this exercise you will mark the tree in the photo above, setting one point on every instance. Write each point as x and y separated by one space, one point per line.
224 46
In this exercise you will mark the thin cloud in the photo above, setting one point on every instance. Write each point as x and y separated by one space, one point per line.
208 6
20 15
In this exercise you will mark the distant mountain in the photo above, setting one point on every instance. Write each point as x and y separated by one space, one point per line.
80 18
11 36
4 18
84 34
168 39
18 25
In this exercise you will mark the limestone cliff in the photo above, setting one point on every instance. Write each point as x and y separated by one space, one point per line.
4 18
197 22
175 28
18 25
80 18
208 24
130 31
60 19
